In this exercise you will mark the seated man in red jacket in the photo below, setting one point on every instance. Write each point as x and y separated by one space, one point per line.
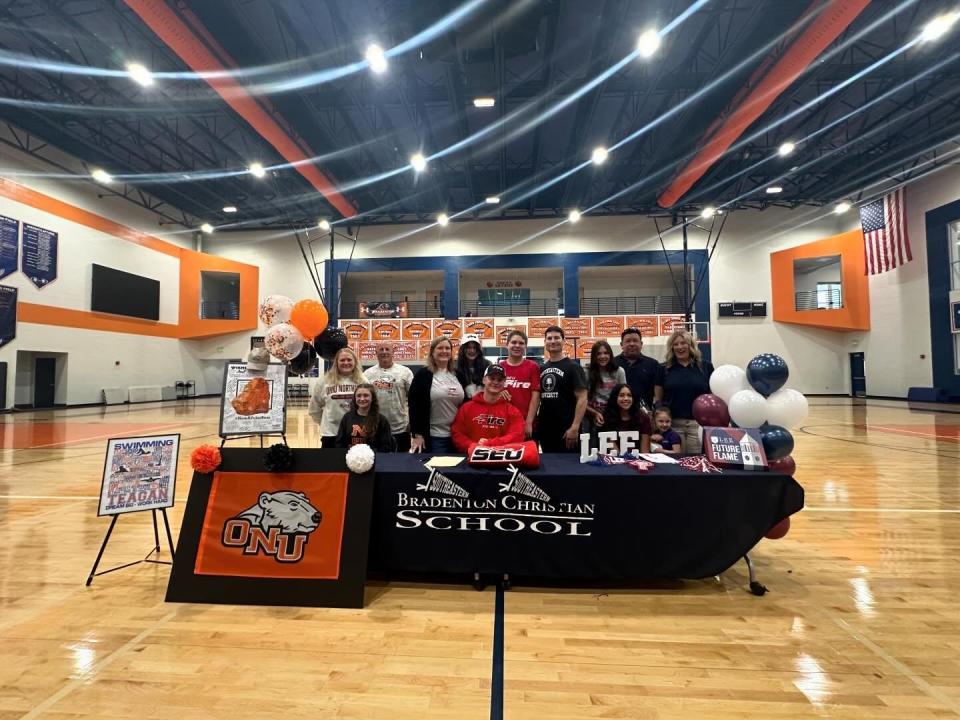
486 419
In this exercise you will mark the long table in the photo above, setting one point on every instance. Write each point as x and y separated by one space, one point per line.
568 520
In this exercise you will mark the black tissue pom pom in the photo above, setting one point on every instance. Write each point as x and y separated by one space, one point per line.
278 458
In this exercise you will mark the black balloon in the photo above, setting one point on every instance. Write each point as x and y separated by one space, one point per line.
777 442
329 342
767 373
303 363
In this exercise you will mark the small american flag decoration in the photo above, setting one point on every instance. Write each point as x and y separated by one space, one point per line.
884 224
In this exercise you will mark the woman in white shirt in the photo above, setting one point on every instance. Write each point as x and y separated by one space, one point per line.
333 395
435 396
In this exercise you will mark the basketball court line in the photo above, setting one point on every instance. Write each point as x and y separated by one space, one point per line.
931 511
107 436
806 430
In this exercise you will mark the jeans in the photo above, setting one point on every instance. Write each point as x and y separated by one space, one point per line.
439 445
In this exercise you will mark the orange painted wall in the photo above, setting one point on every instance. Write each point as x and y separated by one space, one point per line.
192 263
855 313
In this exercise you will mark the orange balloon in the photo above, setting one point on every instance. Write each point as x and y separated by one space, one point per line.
309 317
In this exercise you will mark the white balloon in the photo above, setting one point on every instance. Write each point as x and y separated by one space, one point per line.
787 408
748 408
275 309
284 342
727 380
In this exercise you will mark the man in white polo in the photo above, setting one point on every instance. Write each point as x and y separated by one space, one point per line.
392 382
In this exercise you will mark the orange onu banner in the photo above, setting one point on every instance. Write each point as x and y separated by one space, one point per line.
273 525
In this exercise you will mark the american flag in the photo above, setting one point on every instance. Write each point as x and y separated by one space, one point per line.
884 224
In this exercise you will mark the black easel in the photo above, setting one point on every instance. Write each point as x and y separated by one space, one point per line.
156 546
224 438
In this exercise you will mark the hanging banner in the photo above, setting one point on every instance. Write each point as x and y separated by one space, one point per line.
405 350
383 309
140 473
608 325
646 324
504 330
40 255
669 323
584 346
384 329
367 351
356 330
570 348
481 327
577 327
450 328
254 401
416 329
538 325
9 245
8 314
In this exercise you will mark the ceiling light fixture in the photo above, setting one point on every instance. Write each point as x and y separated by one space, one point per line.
841 207
230 208
377 59
708 212
443 219
939 26
599 155
324 225
484 102
493 200
101 176
207 228
786 148
418 162
574 216
139 74
648 43
774 190
257 170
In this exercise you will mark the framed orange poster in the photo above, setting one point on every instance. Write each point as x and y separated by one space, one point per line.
608 325
356 330
450 328
482 327
584 345
384 329
577 327
647 324
367 351
405 350
416 329
538 325
504 330
669 323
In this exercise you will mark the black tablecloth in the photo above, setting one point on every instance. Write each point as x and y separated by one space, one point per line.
599 522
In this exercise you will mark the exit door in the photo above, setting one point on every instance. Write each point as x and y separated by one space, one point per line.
858 375
44 382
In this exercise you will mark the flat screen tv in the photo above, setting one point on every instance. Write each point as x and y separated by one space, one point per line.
122 293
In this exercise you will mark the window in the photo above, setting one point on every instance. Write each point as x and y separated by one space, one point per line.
504 296
219 295
829 296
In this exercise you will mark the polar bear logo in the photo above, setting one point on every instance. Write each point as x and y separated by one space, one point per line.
289 511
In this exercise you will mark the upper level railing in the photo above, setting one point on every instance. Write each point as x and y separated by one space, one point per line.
819 300
219 310
535 307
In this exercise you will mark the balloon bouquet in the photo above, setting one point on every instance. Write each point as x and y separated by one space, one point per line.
297 332
757 398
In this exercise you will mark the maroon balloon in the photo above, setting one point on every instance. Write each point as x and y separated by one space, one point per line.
784 465
711 411
779 530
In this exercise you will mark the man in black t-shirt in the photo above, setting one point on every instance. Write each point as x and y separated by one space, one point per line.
641 370
563 397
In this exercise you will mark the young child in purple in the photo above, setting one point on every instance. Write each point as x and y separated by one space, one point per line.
664 435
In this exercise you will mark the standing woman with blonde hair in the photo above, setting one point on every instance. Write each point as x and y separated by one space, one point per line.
683 377
435 396
332 397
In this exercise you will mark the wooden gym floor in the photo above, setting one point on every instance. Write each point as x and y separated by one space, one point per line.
862 619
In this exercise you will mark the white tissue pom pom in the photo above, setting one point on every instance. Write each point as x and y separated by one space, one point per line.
360 458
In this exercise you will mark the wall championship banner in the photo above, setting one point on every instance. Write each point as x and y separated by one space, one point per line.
274 525
9 245
8 314
734 447
40 255
253 402
139 473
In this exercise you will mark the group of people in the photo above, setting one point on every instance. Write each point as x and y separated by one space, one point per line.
455 402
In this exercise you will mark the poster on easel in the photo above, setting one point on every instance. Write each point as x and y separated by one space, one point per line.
253 402
139 473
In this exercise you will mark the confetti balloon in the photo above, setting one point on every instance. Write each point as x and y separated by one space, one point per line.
275 309
284 342
309 317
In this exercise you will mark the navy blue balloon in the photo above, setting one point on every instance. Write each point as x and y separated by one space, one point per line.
767 373
777 442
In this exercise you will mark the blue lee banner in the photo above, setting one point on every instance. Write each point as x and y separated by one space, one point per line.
8 314
40 254
9 245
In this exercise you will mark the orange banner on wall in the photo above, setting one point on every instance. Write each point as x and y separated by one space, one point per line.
482 327
570 348
577 327
273 525
608 325
504 330
417 329
405 350
648 325
538 325
356 330
450 328
384 329
367 351
584 346
669 323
